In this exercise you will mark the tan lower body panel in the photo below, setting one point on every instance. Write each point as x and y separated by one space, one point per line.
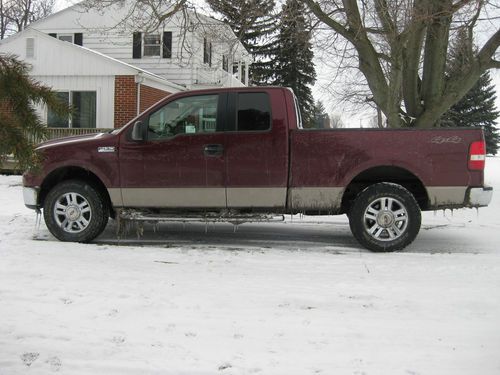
442 196
256 197
315 198
310 198
173 197
115 195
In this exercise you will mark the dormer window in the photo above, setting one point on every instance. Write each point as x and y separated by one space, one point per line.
65 37
152 45
76 38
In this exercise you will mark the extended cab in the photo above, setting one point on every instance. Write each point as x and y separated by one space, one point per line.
242 154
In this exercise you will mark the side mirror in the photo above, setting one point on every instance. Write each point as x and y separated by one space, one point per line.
139 131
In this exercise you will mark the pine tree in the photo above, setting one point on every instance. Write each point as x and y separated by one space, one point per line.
477 108
321 118
254 23
295 67
20 127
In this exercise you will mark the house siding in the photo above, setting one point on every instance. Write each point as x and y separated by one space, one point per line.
185 66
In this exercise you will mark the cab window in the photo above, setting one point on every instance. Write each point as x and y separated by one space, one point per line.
253 112
189 115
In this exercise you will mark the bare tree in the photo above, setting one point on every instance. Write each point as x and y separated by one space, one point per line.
4 18
400 47
16 15
150 16
336 121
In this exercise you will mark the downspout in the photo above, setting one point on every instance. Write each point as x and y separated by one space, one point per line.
138 80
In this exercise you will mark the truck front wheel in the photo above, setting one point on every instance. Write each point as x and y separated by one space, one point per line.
385 217
75 211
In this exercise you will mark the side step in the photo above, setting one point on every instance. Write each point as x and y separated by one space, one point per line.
212 217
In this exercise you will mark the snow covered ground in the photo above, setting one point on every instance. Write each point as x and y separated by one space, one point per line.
299 297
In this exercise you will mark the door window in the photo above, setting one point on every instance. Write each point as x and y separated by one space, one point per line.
190 115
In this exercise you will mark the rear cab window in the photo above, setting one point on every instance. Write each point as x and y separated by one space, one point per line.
253 112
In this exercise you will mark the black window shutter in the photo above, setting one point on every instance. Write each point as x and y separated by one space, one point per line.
53 35
78 39
137 46
210 54
205 52
167 44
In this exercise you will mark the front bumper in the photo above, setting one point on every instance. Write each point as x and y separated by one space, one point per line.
480 197
30 196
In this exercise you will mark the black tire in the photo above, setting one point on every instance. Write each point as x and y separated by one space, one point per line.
385 217
75 211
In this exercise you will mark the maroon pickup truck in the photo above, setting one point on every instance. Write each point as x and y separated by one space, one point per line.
242 155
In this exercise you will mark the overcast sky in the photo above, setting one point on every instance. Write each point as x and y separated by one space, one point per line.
319 94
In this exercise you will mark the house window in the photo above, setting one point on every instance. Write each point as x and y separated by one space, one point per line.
207 52
84 110
152 45
76 38
65 37
53 119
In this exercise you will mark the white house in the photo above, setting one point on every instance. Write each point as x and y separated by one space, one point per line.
105 92
188 49
110 67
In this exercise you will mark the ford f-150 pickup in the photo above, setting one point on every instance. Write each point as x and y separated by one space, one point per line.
241 154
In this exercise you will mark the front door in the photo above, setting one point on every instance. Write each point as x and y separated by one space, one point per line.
181 164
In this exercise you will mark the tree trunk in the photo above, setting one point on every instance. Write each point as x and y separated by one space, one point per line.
436 47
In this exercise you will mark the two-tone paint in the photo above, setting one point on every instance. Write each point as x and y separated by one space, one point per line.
283 169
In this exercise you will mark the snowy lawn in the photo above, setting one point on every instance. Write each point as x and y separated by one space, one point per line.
299 297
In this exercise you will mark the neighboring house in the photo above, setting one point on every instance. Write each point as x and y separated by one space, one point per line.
104 92
110 70
188 49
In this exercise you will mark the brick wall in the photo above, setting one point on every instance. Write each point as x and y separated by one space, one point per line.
150 96
126 99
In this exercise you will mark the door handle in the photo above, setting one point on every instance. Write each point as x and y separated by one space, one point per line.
213 150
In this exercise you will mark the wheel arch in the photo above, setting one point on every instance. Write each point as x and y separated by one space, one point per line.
74 173
390 173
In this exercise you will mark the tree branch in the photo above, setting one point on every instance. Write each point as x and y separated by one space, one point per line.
490 47
324 17
382 8
494 64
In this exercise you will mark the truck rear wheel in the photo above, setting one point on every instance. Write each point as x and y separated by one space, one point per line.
75 211
385 217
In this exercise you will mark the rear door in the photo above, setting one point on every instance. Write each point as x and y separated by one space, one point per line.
256 149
